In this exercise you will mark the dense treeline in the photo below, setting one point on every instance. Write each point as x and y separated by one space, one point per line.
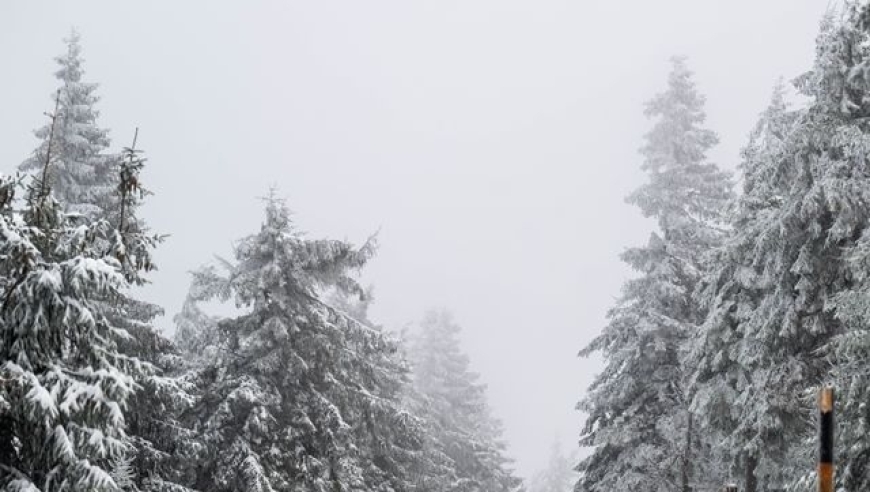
297 391
752 291
743 306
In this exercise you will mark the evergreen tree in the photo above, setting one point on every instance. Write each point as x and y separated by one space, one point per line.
83 177
161 393
559 476
95 185
792 272
300 396
849 350
639 424
726 406
87 181
464 440
65 383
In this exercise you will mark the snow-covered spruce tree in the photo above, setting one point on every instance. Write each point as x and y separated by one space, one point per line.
428 467
793 297
849 351
64 385
725 398
559 476
88 181
300 396
638 418
161 394
82 176
464 440
432 471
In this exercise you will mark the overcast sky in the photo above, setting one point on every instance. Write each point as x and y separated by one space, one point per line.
492 142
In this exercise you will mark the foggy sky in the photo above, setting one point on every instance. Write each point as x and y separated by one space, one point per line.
492 142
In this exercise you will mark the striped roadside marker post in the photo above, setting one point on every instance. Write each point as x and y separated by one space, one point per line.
826 440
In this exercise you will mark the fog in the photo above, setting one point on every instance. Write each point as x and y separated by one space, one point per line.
491 143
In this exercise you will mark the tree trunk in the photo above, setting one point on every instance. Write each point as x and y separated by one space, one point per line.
750 482
687 458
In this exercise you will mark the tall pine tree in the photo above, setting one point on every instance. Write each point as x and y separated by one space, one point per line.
301 396
849 350
559 476
464 440
83 176
788 299
162 392
64 382
639 424
723 397
94 185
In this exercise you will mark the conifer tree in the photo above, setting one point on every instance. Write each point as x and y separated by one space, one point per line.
82 176
65 383
162 393
638 419
559 476
97 186
725 409
464 440
427 467
300 396
784 302
849 350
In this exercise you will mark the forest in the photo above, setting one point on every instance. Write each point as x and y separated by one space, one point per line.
751 293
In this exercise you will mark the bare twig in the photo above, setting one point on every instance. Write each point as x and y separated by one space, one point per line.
43 191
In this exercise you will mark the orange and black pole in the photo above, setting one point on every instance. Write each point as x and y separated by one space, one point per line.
826 440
